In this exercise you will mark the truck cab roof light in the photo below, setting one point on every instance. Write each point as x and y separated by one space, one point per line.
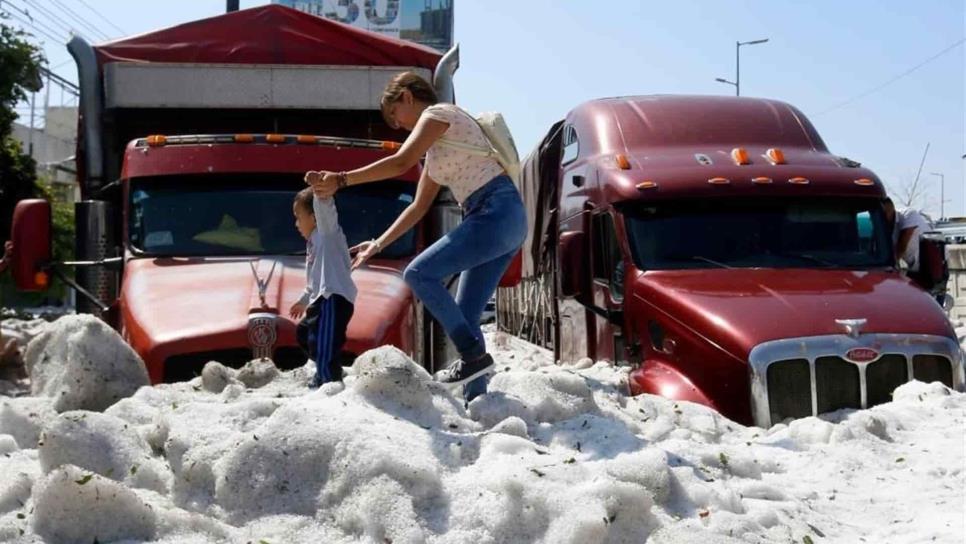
391 146
305 139
156 140
719 181
275 138
244 138
865 182
775 156
646 184
798 180
740 156
761 180
622 162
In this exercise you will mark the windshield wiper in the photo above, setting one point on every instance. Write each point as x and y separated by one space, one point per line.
807 257
712 261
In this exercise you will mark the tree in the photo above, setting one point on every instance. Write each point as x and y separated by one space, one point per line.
20 68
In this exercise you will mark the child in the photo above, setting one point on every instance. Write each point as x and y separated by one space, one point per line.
329 291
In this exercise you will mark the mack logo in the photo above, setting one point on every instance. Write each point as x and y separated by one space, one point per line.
262 334
862 355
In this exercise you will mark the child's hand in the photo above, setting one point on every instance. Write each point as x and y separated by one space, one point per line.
324 184
296 311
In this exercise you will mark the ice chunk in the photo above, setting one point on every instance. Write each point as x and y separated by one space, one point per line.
83 364
24 417
74 505
257 373
102 444
215 376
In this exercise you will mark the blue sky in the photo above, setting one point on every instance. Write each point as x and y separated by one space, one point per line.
534 60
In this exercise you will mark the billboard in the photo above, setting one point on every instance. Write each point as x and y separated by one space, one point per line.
428 22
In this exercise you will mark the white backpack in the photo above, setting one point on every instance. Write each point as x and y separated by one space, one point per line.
502 149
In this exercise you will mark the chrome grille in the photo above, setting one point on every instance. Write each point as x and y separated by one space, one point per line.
932 368
837 384
883 376
788 397
800 377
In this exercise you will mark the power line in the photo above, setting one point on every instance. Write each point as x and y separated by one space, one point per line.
893 80
105 19
50 16
83 21
35 24
29 23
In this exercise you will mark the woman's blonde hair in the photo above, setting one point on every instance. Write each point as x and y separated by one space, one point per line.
421 90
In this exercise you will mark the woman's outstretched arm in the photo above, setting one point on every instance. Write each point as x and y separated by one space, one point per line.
423 136
426 193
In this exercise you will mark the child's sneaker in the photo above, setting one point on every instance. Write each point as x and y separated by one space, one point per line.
461 371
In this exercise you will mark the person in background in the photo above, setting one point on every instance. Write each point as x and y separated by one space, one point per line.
330 294
908 225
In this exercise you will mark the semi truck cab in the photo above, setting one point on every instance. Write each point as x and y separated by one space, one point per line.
718 247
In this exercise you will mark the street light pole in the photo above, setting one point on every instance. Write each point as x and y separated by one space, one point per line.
942 194
737 81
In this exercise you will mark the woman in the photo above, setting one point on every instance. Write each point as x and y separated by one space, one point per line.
480 248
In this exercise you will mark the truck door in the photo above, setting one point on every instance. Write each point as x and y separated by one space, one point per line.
607 289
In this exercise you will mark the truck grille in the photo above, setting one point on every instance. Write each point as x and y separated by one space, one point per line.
818 379
188 365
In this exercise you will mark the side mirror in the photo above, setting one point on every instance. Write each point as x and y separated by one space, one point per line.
572 263
30 235
933 273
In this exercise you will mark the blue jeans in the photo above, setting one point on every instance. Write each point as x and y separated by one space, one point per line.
480 249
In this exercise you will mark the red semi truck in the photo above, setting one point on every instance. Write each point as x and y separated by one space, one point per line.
718 247
192 143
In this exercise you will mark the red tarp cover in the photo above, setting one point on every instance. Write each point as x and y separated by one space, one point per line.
270 34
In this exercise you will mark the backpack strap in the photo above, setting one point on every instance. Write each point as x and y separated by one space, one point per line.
478 151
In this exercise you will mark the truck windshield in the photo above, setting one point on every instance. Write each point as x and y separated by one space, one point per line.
179 217
759 233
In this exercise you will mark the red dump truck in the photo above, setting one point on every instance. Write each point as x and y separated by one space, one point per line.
718 247
191 145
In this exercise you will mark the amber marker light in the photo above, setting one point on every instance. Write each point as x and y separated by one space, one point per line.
391 146
622 162
719 181
761 180
646 184
244 138
775 156
740 156
798 180
865 182
275 138
305 139
41 280
156 140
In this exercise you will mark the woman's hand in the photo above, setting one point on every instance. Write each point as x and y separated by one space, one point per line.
324 184
363 252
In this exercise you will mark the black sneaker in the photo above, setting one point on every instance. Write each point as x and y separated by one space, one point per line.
461 371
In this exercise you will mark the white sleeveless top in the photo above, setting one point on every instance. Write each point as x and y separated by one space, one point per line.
462 172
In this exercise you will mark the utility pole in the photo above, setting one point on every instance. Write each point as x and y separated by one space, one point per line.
30 138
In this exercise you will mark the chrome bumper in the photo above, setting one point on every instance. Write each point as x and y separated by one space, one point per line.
812 348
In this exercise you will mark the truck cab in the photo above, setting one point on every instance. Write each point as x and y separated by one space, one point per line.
193 142
718 247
